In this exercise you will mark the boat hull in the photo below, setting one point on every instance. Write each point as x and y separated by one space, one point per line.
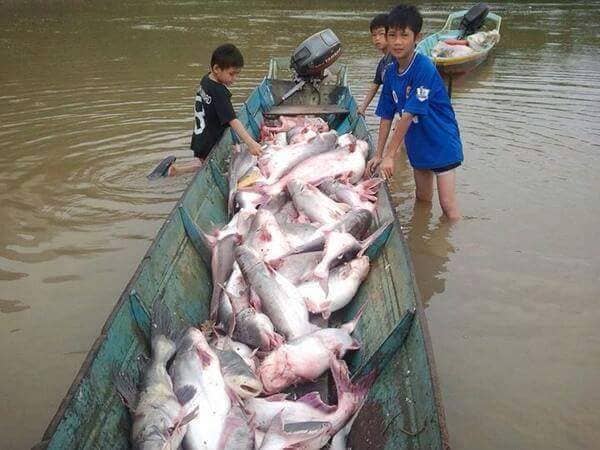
404 407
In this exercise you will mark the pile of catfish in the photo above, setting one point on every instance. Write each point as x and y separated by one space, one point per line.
292 253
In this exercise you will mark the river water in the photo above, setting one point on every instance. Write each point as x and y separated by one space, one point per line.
93 94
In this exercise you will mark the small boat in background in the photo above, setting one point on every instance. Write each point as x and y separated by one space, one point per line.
465 40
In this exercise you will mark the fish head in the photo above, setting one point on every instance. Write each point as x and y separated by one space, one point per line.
160 427
192 340
346 140
295 187
244 386
275 372
269 339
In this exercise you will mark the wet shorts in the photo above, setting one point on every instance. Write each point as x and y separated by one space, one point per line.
445 169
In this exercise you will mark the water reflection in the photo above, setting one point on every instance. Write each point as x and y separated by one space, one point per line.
430 247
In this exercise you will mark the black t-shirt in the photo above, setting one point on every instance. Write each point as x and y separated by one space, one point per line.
212 113
381 66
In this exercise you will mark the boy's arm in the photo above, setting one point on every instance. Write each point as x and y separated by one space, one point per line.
368 98
387 163
253 147
384 131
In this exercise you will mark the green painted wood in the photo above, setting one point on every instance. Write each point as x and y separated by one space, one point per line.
381 357
405 395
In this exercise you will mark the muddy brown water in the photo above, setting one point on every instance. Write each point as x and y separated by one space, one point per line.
92 95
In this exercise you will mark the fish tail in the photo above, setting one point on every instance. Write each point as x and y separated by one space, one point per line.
126 389
351 326
163 335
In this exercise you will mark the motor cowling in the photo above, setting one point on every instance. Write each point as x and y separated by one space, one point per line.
473 19
315 54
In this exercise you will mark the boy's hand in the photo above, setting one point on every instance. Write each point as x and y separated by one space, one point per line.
373 165
387 167
360 111
255 149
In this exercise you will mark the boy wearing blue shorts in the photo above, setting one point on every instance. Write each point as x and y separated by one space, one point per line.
378 27
413 88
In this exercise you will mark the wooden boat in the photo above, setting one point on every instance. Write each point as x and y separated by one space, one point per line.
403 409
458 64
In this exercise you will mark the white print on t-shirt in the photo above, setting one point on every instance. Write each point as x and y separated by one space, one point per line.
395 96
422 94
199 123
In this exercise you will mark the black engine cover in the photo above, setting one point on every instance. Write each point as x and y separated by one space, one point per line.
473 19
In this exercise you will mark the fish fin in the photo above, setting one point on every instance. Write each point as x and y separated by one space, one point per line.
255 302
313 308
321 270
189 417
162 325
126 389
185 393
232 322
344 385
234 397
355 344
231 424
275 264
162 169
214 301
276 340
369 186
205 357
381 233
314 400
350 326
276 397
324 284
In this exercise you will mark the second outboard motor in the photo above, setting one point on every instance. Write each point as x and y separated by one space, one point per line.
473 19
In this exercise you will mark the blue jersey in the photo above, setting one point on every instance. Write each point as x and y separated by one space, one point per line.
433 139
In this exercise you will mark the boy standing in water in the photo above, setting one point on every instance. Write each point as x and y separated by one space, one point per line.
213 111
413 88
378 37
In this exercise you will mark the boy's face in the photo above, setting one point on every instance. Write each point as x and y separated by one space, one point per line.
226 76
401 42
378 38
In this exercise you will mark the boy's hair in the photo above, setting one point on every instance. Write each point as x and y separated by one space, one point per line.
405 16
379 21
226 56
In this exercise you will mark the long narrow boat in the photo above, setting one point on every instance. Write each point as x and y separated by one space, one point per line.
451 30
404 407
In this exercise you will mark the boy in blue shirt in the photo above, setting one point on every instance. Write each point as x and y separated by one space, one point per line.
378 28
413 88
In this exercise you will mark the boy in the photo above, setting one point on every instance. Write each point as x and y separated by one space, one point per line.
414 89
378 30
213 111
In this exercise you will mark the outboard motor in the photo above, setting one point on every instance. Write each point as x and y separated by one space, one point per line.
315 54
311 58
473 20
